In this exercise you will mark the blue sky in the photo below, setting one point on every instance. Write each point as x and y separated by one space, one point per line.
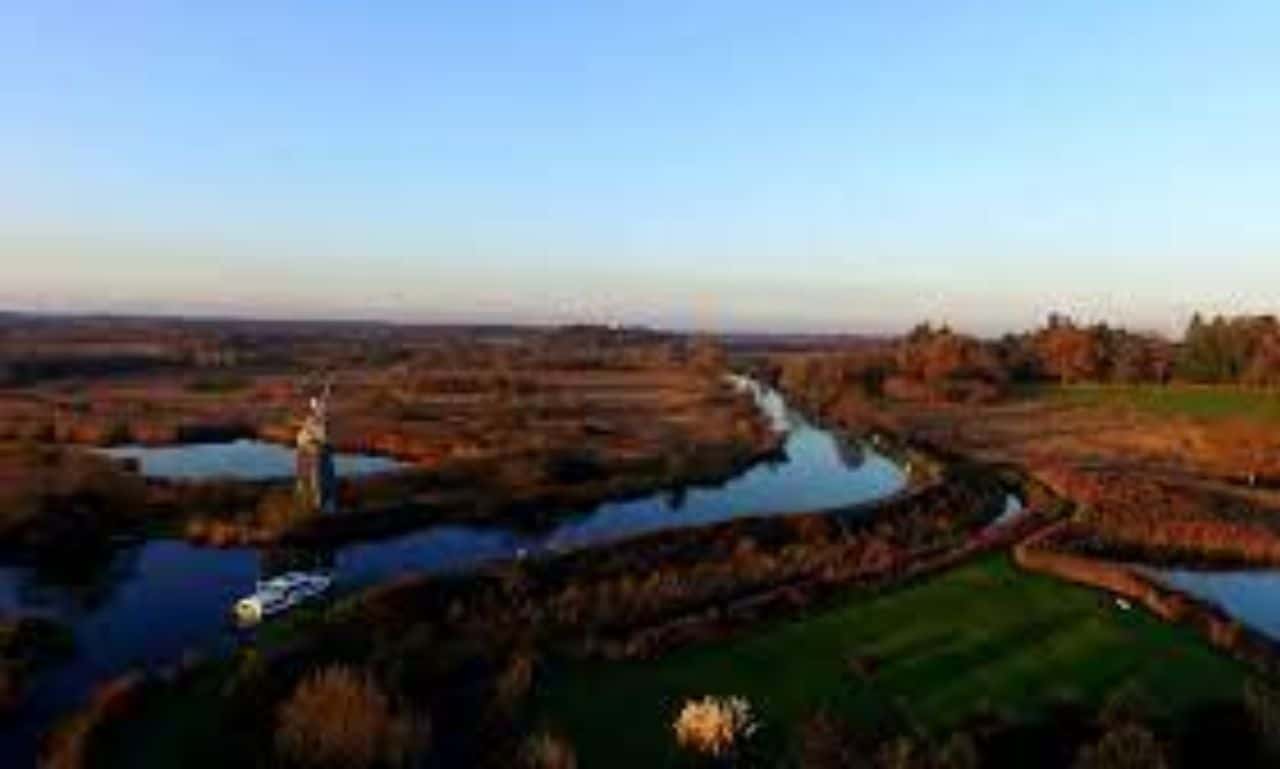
817 166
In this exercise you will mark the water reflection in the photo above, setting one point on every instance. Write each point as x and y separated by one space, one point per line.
244 459
280 559
73 583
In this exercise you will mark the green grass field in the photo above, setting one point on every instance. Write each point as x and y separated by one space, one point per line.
1200 402
985 634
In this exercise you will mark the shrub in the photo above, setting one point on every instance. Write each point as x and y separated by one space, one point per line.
548 751
825 742
1124 747
516 681
338 717
1128 704
958 752
715 726
278 508
1262 702
901 753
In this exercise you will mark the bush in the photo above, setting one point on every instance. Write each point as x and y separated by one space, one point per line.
1262 702
1124 747
548 751
278 509
515 682
902 753
958 752
338 717
715 726
1128 704
826 742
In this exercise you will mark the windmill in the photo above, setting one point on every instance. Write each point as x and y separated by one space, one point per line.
316 485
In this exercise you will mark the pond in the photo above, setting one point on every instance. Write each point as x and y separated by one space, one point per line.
246 460
154 601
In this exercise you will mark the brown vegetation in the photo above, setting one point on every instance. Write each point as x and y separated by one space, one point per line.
51 497
340 718
1128 515
516 424
545 750
1155 486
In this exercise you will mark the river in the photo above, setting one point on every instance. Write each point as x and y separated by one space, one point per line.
153 601
1251 596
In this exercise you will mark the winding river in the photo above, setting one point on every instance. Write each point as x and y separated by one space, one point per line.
153 601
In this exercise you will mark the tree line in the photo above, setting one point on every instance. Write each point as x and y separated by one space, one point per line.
937 363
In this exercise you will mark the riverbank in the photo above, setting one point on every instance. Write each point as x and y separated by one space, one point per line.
1174 475
634 599
1050 552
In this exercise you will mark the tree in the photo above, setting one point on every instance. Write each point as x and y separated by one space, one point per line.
1068 352
1263 367
1218 351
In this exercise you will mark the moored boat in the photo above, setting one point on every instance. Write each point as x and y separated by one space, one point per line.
279 594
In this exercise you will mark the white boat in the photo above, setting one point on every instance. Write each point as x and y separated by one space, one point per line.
279 594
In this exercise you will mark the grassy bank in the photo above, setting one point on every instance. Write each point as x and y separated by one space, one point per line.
929 654
1173 400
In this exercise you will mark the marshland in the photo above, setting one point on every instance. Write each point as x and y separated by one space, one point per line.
649 518
694 385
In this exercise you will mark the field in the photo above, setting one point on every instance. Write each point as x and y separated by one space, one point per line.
1206 403
1192 431
982 636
